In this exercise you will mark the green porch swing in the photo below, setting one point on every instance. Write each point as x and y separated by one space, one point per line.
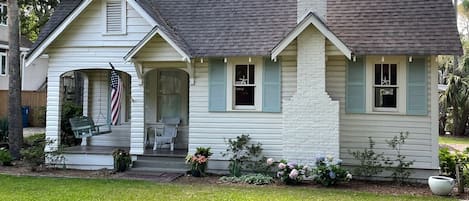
84 126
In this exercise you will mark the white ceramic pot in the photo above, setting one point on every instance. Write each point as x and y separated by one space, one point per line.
441 185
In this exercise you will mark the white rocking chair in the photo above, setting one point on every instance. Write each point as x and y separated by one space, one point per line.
169 134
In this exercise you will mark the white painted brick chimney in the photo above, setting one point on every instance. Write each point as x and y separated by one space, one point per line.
316 6
310 117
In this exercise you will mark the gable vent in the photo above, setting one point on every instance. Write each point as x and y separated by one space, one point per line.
114 17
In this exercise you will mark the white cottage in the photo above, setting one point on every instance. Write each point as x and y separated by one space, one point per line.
303 77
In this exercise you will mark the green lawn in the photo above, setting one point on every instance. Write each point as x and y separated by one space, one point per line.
454 140
37 189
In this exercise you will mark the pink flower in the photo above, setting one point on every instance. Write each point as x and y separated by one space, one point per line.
293 174
281 166
270 161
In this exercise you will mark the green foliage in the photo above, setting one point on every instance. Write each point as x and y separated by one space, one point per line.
5 157
122 160
370 161
33 151
243 155
448 161
40 115
455 101
199 161
399 166
69 110
328 172
3 129
291 173
256 179
34 14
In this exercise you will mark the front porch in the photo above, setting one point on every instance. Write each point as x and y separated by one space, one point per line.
100 157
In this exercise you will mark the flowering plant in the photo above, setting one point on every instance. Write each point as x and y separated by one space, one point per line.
122 160
291 173
328 171
198 161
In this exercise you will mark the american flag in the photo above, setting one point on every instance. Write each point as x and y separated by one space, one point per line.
116 93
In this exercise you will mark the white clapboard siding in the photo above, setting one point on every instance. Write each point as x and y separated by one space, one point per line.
157 49
212 129
356 128
89 30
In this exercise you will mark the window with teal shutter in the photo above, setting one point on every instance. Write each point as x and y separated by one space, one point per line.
217 85
356 91
271 87
417 87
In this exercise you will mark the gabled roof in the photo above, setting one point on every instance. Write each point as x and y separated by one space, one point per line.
314 20
223 28
395 27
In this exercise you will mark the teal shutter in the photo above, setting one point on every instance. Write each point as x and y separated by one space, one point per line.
217 85
271 86
417 87
355 92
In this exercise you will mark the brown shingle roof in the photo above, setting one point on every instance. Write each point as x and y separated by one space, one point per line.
399 27
253 27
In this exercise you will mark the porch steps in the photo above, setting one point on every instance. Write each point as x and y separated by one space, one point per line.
160 163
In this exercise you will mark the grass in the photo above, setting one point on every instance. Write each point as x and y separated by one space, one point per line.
454 140
50 189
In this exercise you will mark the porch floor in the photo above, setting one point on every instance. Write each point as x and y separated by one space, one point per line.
108 150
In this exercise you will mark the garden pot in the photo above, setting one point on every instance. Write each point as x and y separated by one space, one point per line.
441 185
196 173
121 166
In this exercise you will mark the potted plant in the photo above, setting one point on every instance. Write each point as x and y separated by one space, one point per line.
122 160
199 161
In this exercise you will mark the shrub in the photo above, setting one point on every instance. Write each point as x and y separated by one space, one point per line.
199 161
33 151
329 172
370 161
243 154
256 179
400 171
69 110
448 161
291 173
3 129
5 157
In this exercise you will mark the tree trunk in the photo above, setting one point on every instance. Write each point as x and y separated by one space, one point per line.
15 128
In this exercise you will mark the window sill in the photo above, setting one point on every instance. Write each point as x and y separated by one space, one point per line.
244 111
114 34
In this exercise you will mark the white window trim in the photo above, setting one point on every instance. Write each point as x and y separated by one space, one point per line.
1 10
123 21
401 84
6 63
230 102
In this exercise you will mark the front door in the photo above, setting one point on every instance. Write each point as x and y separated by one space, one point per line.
173 95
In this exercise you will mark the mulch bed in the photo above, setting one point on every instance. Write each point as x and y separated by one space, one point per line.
388 188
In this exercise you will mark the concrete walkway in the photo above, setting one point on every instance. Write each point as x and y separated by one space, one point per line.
33 130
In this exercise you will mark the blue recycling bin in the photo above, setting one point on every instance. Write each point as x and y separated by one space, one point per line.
25 113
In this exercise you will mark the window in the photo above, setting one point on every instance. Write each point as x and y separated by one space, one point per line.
3 14
3 62
244 85
115 16
385 86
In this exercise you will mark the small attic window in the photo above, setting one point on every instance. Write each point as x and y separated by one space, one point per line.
115 16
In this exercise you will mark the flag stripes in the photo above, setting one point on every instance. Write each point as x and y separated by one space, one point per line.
116 93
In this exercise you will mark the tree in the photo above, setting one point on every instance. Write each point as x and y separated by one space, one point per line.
34 15
15 127
456 101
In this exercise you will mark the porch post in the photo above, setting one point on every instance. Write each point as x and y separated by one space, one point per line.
137 114
53 115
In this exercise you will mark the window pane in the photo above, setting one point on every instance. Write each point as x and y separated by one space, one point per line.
241 74
378 74
385 97
394 74
251 74
386 75
244 95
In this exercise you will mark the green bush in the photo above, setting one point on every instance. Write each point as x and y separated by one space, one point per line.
448 161
69 110
370 161
3 129
243 155
399 166
291 173
5 157
256 179
33 151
